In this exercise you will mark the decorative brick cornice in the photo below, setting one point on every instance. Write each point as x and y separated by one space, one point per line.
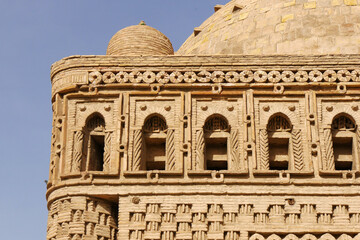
101 70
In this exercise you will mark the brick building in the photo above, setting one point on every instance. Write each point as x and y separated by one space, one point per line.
249 131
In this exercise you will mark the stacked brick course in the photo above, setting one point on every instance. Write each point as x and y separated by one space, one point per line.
230 147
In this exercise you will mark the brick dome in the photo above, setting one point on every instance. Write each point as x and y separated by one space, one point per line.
271 27
139 40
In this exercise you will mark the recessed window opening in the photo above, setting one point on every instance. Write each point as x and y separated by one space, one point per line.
343 134
156 156
216 131
94 144
216 153
279 141
155 143
343 154
96 157
279 153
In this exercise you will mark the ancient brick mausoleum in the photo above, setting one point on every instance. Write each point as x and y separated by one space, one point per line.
250 131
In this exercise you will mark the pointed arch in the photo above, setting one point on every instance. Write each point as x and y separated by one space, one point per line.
344 109
154 136
216 123
279 141
154 145
279 110
216 142
94 120
343 122
154 123
344 142
94 143
279 122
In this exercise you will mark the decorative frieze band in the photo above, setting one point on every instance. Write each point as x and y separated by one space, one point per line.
229 221
245 76
325 236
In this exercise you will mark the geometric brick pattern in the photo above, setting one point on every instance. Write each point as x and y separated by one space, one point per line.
81 218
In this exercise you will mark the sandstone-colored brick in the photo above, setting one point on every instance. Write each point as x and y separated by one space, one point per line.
228 17
280 27
213 146
290 3
286 18
336 2
243 16
77 228
350 2
102 230
265 9
309 5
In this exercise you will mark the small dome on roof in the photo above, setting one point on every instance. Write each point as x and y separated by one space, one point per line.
139 40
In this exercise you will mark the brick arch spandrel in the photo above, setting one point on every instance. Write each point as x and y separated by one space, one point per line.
107 115
293 116
330 116
169 116
229 116
357 237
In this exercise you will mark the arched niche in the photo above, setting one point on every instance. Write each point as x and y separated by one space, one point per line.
154 146
279 109
216 139
343 109
94 143
344 142
279 130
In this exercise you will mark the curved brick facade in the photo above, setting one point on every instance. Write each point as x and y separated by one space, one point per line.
266 27
216 147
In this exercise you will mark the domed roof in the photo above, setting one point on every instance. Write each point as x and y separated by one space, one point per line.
139 40
271 27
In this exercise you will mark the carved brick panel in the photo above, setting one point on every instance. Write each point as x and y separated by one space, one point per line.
80 110
230 109
195 217
294 111
169 110
82 218
329 109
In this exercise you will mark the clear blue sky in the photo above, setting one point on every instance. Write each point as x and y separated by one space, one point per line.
33 35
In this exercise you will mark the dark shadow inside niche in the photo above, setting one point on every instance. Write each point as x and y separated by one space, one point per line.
343 153
96 155
155 153
279 129
343 133
216 154
279 153
216 133
94 144
155 132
